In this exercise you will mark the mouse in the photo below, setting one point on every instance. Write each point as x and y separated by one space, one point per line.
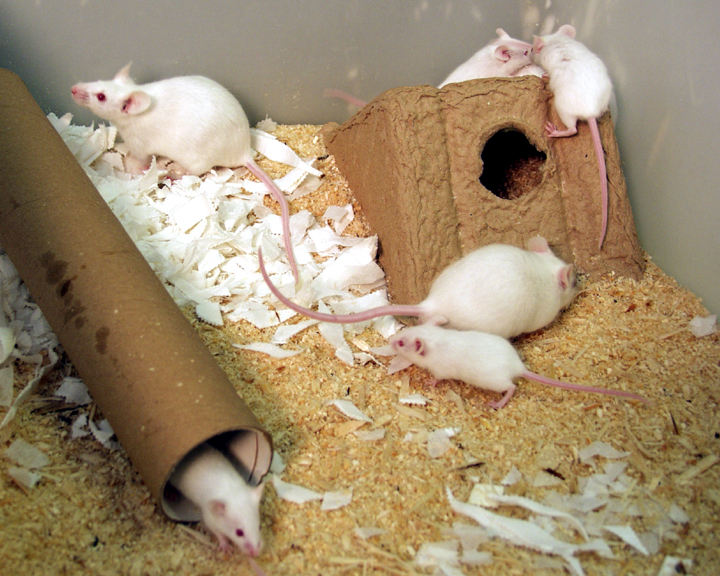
482 360
191 120
582 88
229 506
498 288
503 57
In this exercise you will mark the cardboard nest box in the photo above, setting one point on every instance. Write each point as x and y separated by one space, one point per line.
440 172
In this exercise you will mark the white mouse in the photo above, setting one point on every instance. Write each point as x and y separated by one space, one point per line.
481 360
503 57
499 289
582 88
191 120
230 507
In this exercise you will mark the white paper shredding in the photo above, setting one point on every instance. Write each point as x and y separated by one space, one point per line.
337 499
74 391
365 533
201 235
269 349
416 399
703 326
600 449
27 455
293 492
349 409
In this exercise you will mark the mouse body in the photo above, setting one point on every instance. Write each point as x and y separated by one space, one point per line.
482 360
498 288
582 90
191 120
503 57
230 507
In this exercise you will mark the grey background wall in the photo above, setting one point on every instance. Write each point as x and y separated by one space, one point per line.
277 57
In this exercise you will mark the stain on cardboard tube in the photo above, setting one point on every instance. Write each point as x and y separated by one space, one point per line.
144 364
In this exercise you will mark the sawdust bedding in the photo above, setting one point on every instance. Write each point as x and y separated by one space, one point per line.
91 513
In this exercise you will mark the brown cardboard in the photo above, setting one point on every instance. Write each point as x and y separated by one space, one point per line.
144 364
413 159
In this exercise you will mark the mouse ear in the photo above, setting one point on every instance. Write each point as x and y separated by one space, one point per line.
567 30
503 53
124 74
566 277
538 244
136 103
538 44
501 33
419 345
217 507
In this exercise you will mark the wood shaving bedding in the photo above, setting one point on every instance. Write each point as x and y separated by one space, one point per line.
91 513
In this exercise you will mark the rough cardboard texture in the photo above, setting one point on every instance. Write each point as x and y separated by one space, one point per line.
424 145
404 191
144 365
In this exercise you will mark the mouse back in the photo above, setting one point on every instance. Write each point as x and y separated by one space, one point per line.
502 289
579 79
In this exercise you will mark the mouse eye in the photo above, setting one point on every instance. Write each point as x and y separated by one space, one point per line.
239 533
100 96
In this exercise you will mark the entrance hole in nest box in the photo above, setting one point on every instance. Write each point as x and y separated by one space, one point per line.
512 166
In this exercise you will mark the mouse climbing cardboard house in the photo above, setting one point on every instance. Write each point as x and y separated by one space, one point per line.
440 172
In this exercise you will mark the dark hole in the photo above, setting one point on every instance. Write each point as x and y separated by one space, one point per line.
511 165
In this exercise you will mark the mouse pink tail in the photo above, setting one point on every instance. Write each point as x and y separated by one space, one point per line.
603 176
349 98
580 387
284 211
336 318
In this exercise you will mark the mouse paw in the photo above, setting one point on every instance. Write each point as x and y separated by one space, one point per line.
553 132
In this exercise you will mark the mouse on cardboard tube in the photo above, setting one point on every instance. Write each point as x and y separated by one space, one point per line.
582 90
482 360
191 120
498 288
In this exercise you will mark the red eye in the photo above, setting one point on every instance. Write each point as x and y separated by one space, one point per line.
239 533
101 97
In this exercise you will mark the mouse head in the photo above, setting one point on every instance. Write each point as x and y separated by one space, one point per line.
237 520
408 345
112 99
563 273
539 43
509 51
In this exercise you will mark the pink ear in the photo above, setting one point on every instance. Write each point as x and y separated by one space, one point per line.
502 53
538 244
217 507
420 346
501 33
565 277
136 103
568 30
538 44
124 74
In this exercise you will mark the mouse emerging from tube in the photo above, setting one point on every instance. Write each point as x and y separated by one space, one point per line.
582 88
482 360
230 507
191 120
499 289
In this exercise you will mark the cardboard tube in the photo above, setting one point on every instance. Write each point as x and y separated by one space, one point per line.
144 364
